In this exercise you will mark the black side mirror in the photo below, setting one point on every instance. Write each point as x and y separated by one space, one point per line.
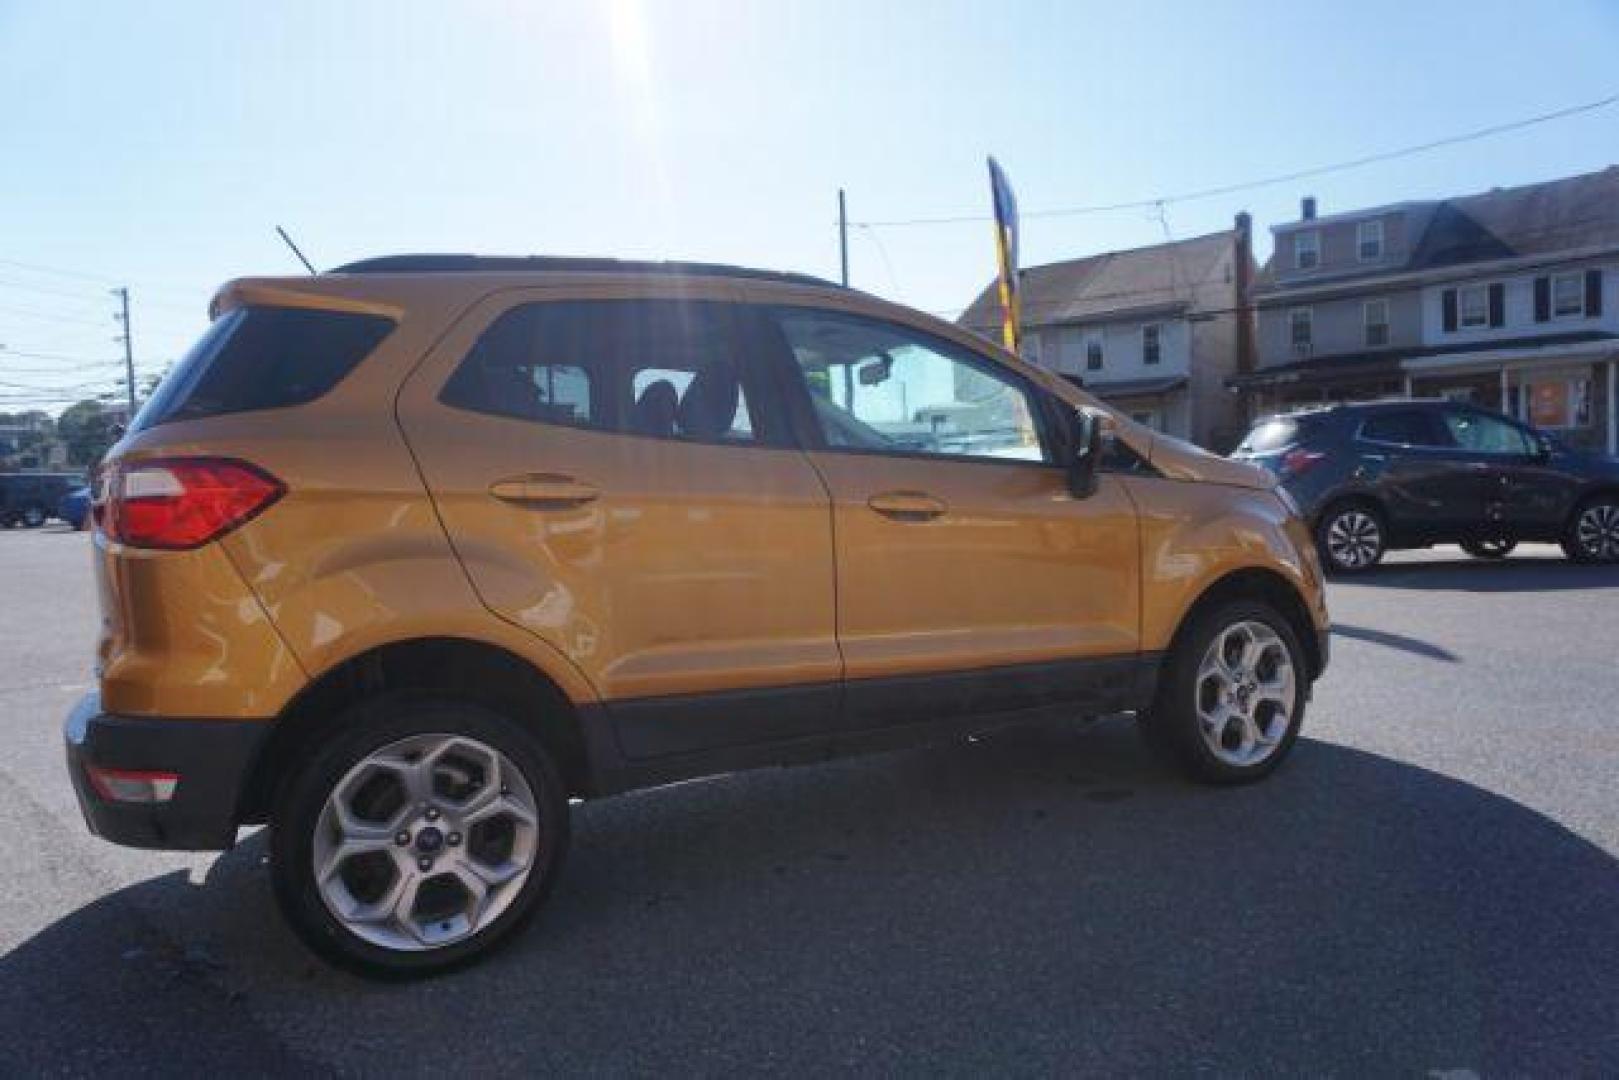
1085 449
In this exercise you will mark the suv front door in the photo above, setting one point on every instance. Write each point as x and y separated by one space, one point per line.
1527 492
618 478
970 580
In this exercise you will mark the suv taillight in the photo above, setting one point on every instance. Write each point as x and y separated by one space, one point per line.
179 503
1298 460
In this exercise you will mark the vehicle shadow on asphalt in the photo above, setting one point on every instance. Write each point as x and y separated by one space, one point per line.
1045 899
1402 642
1513 574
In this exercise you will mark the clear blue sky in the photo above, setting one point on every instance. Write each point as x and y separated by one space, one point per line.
158 144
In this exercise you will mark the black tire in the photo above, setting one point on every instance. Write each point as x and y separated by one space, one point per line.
1489 549
1601 549
1172 728
34 516
357 734
1362 525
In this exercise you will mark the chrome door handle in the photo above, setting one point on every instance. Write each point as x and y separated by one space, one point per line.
544 491
907 505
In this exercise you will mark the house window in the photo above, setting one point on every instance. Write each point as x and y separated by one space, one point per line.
1377 323
1093 352
1473 307
1568 295
1300 329
1151 351
1307 250
1369 240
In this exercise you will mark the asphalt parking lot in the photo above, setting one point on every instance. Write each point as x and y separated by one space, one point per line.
1429 885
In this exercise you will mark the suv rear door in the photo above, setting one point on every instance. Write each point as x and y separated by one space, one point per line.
615 474
1430 486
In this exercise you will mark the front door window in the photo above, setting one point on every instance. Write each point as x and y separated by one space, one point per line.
880 387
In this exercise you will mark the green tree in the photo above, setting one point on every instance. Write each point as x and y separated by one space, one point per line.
88 430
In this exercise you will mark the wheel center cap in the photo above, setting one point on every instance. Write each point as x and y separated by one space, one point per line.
429 840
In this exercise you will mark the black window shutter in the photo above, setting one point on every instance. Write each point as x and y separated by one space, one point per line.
1448 298
1543 299
1593 293
1498 304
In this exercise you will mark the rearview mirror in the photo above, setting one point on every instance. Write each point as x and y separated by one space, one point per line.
1085 447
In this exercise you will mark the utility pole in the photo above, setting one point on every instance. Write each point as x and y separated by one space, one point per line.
129 349
843 236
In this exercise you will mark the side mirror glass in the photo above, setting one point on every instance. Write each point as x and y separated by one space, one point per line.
1086 445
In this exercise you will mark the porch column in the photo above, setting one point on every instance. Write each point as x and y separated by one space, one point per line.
1504 388
1408 386
1613 397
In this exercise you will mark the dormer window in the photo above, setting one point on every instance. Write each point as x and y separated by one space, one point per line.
1369 240
1306 250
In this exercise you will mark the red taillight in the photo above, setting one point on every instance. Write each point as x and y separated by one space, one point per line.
1298 460
180 503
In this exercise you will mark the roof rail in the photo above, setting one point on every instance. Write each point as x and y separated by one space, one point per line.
490 264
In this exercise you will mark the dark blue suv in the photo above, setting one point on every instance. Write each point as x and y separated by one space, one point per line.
1401 474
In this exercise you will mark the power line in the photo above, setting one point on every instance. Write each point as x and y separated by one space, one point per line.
28 286
1269 181
50 315
102 279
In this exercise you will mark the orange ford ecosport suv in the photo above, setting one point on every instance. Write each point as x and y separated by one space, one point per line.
403 557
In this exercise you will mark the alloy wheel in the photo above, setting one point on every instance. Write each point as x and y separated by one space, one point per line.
1597 531
1246 693
1354 540
425 842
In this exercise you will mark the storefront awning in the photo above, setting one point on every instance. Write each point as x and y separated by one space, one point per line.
1129 388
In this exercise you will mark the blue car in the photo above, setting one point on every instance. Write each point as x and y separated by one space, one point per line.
75 508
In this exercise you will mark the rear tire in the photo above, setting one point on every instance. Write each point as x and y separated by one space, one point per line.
1231 697
419 837
1352 537
1489 549
33 517
1592 535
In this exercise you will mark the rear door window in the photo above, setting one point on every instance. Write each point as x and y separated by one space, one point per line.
666 369
264 358
1406 427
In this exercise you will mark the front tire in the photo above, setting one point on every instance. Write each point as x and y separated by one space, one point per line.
1231 698
33 517
1593 534
420 838
1352 538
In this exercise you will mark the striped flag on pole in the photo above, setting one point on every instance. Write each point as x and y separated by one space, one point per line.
1006 230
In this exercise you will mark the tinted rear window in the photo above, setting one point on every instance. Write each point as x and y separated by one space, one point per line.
668 369
1270 435
1407 427
264 358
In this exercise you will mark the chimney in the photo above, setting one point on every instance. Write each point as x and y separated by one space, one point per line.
1242 242
1307 208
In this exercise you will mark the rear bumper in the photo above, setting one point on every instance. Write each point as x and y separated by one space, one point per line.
212 758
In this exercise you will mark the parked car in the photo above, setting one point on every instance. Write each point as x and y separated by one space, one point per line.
75 508
403 557
1411 473
31 498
